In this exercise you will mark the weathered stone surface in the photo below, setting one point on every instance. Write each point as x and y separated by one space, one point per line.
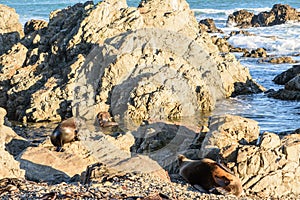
10 28
228 130
55 51
10 143
279 14
43 163
270 141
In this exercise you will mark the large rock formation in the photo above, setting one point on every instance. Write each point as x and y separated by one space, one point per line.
279 14
267 165
10 143
39 86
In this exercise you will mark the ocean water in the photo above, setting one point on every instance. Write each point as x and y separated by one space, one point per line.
273 115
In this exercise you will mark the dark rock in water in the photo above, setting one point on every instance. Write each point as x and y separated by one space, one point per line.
279 60
209 26
257 53
279 14
291 81
241 18
286 76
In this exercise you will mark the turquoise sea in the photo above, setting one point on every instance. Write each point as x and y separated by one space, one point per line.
273 115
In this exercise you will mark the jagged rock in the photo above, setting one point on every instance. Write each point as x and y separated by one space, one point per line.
34 25
257 53
286 76
268 168
279 14
291 81
228 130
145 88
209 26
241 18
10 28
10 144
223 44
279 60
43 88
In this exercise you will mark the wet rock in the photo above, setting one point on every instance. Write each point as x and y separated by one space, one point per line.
257 53
240 32
290 79
279 60
209 26
293 84
10 144
241 18
10 28
279 14
286 76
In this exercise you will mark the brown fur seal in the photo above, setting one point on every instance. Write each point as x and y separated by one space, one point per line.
105 120
64 133
210 175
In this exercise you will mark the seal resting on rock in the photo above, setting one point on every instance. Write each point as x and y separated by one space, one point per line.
105 120
64 133
209 175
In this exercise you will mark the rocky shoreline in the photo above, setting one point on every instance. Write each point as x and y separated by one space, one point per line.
150 66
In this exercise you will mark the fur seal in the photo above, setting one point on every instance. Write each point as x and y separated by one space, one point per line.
209 175
105 120
64 133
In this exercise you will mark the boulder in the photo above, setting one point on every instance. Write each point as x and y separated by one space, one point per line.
11 30
43 163
10 144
